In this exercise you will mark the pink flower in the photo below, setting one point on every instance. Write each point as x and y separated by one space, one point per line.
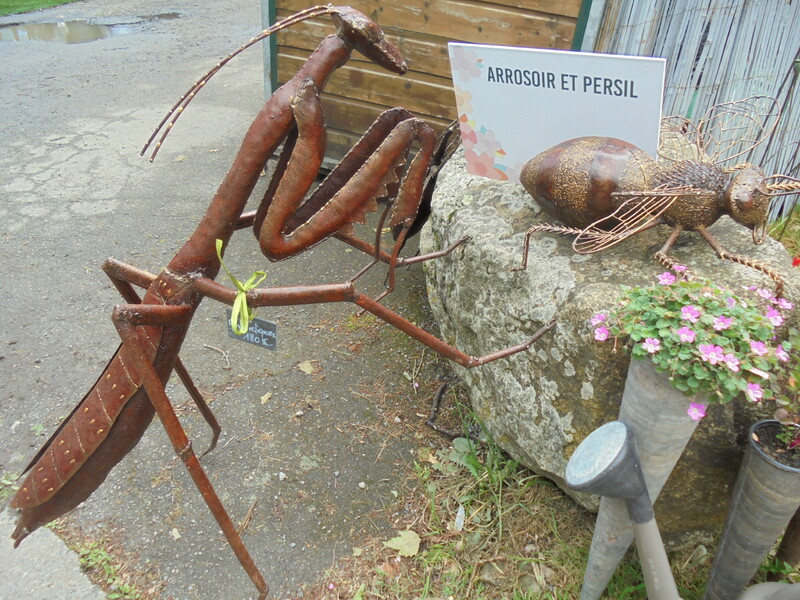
785 304
601 334
690 313
666 278
782 355
722 322
730 302
711 353
652 345
685 334
766 294
754 392
774 317
759 348
679 268
597 319
696 411
732 362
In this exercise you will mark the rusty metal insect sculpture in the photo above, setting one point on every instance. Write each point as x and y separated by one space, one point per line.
605 190
112 417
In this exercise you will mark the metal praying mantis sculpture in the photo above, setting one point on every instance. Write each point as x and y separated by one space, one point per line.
114 414
605 190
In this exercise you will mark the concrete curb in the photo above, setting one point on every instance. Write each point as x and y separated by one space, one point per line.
42 568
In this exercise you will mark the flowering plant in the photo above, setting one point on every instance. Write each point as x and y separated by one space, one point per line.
704 337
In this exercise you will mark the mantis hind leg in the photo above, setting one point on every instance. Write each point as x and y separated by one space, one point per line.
124 277
129 319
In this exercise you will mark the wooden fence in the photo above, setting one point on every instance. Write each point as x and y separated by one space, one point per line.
717 51
358 92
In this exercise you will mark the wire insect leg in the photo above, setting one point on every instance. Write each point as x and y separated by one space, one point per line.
744 260
201 404
542 227
665 259
128 320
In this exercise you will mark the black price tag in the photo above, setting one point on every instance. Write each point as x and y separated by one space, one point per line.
260 332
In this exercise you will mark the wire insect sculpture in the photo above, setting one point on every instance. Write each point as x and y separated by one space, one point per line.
114 414
605 190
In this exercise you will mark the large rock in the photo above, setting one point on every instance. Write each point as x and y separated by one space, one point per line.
540 404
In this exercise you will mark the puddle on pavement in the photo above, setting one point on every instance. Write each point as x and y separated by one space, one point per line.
72 32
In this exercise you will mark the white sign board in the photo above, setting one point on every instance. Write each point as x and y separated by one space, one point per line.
516 102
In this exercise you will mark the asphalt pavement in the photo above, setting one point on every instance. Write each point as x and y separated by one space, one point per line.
318 436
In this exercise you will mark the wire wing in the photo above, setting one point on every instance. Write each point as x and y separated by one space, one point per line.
732 129
679 140
635 214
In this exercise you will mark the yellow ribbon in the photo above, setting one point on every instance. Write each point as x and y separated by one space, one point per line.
241 314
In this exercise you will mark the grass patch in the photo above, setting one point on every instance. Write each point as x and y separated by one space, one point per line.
102 568
490 530
787 232
8 486
108 565
13 7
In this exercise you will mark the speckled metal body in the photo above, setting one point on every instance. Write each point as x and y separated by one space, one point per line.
605 190
573 181
690 212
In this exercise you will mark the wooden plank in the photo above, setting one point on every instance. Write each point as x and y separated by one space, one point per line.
339 142
345 114
564 8
421 29
424 53
465 20
423 94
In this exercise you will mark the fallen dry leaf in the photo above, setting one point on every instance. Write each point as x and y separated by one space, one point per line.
406 544
308 367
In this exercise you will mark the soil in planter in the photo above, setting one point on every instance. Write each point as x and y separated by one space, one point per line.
767 440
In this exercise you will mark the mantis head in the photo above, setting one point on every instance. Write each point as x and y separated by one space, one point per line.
360 33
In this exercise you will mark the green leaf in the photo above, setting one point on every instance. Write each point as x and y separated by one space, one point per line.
360 593
406 544
700 372
680 385
462 445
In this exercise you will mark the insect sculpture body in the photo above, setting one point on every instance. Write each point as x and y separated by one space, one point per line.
604 190
112 417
